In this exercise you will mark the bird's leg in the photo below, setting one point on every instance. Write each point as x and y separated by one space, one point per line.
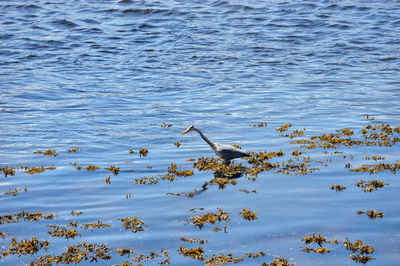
227 161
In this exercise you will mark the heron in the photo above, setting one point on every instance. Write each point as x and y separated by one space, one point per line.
226 152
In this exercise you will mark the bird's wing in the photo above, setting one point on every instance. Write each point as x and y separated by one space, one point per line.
230 152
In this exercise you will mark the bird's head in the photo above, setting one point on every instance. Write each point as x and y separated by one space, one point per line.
191 128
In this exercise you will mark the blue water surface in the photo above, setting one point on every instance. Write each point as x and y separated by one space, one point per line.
105 75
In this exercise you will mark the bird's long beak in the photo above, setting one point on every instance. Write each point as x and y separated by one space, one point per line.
184 132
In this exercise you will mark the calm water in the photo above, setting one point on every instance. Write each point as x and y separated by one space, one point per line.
104 75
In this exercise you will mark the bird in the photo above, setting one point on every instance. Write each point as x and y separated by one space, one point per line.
226 152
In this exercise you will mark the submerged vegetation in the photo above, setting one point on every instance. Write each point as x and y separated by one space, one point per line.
301 160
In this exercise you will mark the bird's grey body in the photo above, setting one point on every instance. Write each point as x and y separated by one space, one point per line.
226 152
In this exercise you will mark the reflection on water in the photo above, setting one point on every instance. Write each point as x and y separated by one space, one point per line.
95 83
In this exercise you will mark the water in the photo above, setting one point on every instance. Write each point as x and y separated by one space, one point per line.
104 75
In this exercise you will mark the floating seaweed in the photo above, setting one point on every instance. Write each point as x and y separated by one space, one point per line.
357 246
372 214
25 216
62 231
165 125
381 167
194 253
92 167
49 152
295 133
8 171
222 182
223 259
200 220
13 192
318 239
132 151
76 213
91 226
37 170
370 186
3 235
263 124
296 153
248 191
184 194
279 262
248 215
147 180
193 240
337 188
143 152
133 224
320 250
284 127
125 251
77 254
361 258
177 144
77 167
75 149
25 247
255 255
107 180
113 169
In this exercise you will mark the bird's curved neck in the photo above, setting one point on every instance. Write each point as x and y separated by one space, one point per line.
212 145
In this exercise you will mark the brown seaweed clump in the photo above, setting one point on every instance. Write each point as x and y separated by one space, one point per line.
361 258
91 226
355 247
143 152
381 167
134 224
165 125
193 240
13 192
256 255
173 170
372 214
37 170
184 194
222 182
3 235
371 185
147 180
194 253
337 188
25 216
62 231
92 167
75 149
76 213
279 262
216 165
320 250
211 218
259 125
318 239
223 259
8 171
248 215
77 254
125 251
113 169
49 152
284 127
25 247
177 144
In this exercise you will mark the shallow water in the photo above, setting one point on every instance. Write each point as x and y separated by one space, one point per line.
105 75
